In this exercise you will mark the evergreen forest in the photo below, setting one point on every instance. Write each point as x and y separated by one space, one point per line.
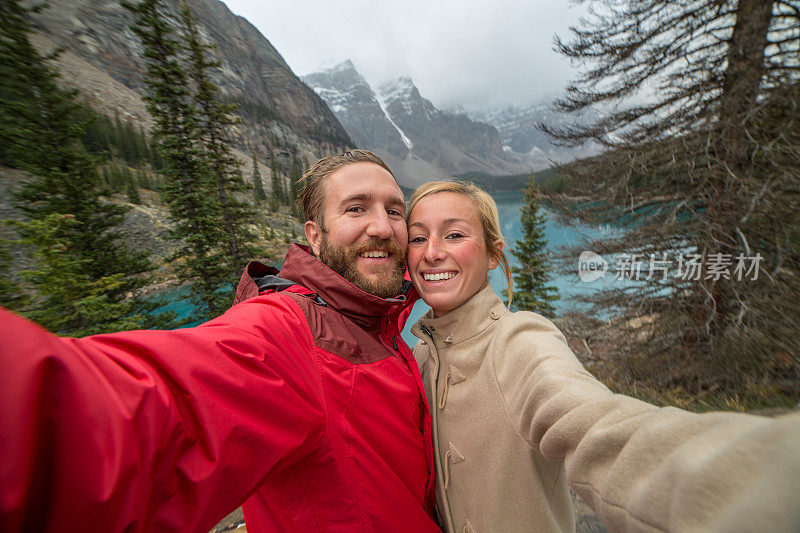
67 260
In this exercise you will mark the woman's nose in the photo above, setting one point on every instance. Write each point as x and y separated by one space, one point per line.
434 251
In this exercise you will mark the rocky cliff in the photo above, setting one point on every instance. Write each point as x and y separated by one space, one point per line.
102 58
419 141
356 106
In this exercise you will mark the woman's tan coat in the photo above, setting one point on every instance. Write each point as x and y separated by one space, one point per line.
510 403
489 476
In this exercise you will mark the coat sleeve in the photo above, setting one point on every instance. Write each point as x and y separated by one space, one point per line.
640 467
153 430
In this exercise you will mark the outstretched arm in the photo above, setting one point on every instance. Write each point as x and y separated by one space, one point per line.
643 468
153 430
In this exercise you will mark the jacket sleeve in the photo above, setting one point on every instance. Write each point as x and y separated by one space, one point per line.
153 430
640 467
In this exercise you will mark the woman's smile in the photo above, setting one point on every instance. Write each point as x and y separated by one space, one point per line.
448 259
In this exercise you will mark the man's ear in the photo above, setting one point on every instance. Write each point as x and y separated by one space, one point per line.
313 235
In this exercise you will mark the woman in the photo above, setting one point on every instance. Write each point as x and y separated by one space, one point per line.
489 478
515 415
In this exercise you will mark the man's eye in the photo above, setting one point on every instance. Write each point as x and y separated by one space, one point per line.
354 209
394 213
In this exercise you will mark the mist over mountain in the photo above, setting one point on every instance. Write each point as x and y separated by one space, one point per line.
358 109
418 141
516 126
421 142
281 116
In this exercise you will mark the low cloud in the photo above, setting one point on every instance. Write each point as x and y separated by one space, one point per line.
475 54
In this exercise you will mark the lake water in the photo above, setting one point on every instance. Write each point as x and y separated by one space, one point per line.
509 205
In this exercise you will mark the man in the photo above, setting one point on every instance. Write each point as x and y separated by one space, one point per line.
302 397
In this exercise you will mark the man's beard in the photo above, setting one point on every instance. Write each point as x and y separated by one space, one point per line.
343 259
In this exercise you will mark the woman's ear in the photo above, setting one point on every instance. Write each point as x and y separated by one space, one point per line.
313 236
494 258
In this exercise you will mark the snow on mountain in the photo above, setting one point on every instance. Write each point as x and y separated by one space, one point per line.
420 141
516 126
382 101
354 103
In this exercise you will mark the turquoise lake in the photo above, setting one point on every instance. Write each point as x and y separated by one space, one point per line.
509 205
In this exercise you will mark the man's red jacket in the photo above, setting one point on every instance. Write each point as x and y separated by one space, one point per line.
304 401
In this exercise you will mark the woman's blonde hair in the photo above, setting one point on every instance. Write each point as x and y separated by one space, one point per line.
487 214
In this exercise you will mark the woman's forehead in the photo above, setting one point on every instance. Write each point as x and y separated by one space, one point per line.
443 208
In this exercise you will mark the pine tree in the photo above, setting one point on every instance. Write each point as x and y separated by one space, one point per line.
132 188
142 153
277 195
215 122
94 137
259 195
116 135
532 289
143 177
10 293
156 161
188 187
69 227
295 175
116 177
693 97
128 144
69 299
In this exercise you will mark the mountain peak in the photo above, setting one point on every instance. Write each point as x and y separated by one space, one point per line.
344 66
340 78
401 88
102 59
415 138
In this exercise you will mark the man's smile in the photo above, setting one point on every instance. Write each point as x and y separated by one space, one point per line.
375 254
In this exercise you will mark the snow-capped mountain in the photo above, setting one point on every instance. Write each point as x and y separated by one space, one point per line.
356 106
417 140
516 126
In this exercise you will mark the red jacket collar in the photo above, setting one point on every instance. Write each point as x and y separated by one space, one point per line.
301 267
306 270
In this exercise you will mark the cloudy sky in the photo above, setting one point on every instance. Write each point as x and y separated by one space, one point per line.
477 54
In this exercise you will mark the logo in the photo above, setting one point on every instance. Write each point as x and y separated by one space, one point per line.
591 266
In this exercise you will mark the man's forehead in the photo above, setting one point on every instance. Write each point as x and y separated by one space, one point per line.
366 181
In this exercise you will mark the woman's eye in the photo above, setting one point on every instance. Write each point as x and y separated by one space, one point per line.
416 239
454 235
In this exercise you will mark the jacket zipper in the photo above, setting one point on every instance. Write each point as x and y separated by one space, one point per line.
426 331
384 336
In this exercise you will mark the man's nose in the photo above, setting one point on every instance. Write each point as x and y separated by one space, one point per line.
379 226
433 250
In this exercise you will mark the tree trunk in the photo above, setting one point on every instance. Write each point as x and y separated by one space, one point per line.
733 170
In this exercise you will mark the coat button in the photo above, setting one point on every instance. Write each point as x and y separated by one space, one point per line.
495 315
449 339
424 343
